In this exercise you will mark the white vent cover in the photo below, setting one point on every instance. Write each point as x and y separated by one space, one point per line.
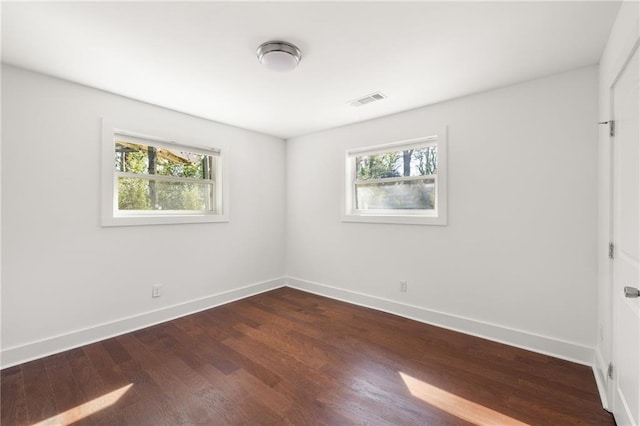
373 97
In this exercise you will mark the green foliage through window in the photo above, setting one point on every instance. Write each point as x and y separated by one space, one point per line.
412 162
397 179
157 178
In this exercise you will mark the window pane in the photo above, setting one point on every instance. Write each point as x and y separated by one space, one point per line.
379 166
148 159
149 194
409 195
411 162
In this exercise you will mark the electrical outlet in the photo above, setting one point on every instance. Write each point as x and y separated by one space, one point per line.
601 332
156 290
403 286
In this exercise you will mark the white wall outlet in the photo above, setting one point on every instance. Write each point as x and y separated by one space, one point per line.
403 286
156 290
601 332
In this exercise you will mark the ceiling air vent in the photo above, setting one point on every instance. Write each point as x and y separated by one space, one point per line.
373 97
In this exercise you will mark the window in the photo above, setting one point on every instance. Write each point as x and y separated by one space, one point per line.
155 181
402 182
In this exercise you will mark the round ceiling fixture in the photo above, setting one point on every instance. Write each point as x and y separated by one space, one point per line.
279 55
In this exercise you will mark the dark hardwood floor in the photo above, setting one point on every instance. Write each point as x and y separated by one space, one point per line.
289 357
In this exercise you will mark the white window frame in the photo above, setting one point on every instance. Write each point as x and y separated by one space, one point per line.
437 216
111 216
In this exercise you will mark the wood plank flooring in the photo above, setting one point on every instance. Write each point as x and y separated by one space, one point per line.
290 357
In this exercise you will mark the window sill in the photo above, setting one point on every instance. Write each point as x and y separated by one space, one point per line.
161 220
401 220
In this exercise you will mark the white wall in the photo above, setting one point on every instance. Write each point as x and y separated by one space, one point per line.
624 35
517 261
65 279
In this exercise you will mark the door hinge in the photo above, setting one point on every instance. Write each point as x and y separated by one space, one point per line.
610 371
610 250
612 127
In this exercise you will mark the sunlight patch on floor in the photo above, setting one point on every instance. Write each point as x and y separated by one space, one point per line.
456 405
82 411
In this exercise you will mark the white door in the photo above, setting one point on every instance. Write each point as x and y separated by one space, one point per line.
626 237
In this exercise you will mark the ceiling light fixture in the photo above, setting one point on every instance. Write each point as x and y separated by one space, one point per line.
279 55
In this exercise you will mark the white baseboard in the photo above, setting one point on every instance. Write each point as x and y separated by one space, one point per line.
537 343
602 381
542 344
41 348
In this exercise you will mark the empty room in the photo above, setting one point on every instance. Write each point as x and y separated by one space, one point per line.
320 213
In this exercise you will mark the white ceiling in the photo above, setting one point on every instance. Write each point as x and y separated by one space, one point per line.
199 57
